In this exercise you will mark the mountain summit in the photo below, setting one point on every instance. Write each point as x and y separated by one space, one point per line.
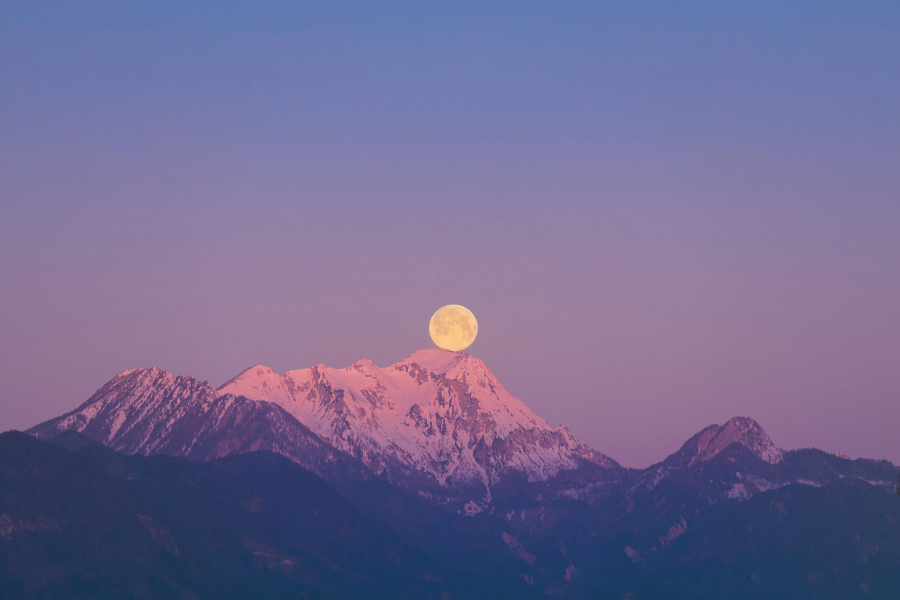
436 412
436 420
714 439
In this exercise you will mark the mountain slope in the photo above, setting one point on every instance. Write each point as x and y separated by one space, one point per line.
69 529
837 542
81 521
594 535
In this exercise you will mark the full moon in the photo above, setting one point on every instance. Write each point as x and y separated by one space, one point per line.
453 327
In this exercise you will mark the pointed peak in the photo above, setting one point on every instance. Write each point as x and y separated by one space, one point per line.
363 363
744 426
435 360
145 375
261 370
452 365
749 433
742 421
255 372
140 374
258 382
141 371
712 440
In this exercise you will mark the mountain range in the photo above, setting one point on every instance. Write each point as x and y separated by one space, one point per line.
437 422
438 453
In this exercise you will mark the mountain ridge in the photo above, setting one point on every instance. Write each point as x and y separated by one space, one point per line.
574 520
437 422
77 521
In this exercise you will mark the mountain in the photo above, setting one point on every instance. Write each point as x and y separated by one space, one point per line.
840 541
150 411
437 451
78 520
82 521
437 422
713 439
722 455
598 540
709 443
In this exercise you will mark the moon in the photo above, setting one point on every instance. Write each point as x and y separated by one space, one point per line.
453 327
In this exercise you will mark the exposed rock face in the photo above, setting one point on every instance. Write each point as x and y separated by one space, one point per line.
714 439
150 411
435 420
710 443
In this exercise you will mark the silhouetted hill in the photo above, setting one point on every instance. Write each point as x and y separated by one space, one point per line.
837 542
78 520
735 526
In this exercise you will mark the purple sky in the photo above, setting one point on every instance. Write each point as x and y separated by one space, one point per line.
662 218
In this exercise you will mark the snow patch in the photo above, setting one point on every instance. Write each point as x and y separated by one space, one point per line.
738 492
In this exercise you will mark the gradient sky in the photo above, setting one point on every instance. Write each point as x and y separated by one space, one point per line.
662 214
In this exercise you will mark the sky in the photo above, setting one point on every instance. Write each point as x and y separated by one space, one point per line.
663 215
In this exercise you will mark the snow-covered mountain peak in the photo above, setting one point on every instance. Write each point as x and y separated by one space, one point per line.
435 412
363 363
118 412
435 360
259 383
461 366
435 418
144 378
143 373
